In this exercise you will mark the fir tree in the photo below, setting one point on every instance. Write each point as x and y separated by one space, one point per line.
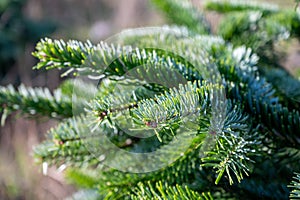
209 117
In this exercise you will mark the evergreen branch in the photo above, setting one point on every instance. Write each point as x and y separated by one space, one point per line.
63 102
104 60
34 102
74 55
91 58
295 185
231 160
163 191
182 12
234 146
225 6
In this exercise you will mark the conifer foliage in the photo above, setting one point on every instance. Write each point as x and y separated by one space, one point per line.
174 112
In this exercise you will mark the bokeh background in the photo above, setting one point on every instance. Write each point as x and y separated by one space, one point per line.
22 24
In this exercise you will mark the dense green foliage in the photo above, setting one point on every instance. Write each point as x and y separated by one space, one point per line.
220 112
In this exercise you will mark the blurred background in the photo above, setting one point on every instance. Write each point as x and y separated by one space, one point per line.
22 24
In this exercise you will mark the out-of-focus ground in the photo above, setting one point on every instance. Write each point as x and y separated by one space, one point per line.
96 20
